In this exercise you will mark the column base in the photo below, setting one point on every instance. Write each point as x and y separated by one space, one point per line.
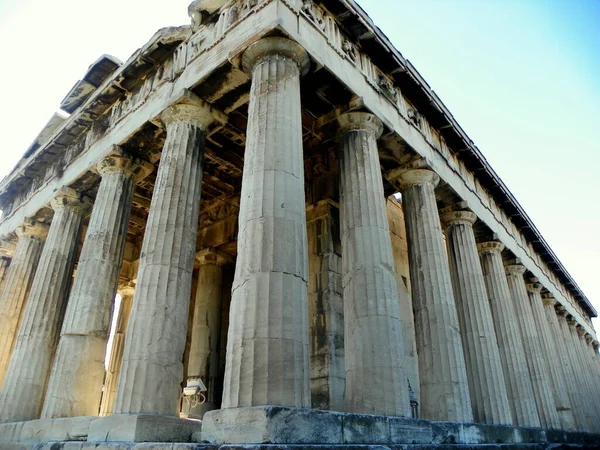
144 428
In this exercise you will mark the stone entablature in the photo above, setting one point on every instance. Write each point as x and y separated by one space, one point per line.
138 92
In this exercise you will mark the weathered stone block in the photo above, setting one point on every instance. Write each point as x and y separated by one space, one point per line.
410 431
271 424
42 430
143 428
366 429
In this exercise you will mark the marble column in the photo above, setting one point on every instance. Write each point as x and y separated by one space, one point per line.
17 285
75 385
550 356
376 381
516 373
206 329
7 250
267 344
593 406
152 367
24 387
575 386
592 374
562 362
326 307
444 385
536 362
484 367
116 352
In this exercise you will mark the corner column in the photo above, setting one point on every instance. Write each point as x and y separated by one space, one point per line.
516 373
152 368
75 385
484 368
593 407
444 384
206 329
27 375
376 381
267 343
17 286
538 370
589 354
116 353
550 356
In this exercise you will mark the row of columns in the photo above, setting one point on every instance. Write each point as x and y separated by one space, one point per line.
490 349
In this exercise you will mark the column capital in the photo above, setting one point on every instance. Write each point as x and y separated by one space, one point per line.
67 198
515 269
414 177
490 247
580 330
359 121
571 321
33 229
455 217
7 248
534 288
561 311
198 114
274 46
212 256
115 162
588 338
549 300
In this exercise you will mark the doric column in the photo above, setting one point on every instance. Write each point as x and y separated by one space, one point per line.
444 385
538 370
589 355
267 344
152 368
116 352
575 386
16 286
326 307
516 373
561 361
75 385
7 250
376 381
550 356
590 388
482 357
206 329
27 375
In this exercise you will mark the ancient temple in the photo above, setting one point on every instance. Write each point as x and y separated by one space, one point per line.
298 244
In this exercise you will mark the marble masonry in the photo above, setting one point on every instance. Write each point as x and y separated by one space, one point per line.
264 230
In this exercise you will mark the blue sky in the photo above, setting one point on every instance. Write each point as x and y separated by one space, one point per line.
522 77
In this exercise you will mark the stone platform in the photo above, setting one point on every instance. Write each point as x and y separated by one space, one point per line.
280 428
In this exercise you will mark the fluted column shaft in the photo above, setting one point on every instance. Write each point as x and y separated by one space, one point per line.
593 407
152 367
562 363
516 373
444 385
267 344
116 353
575 386
484 367
591 372
549 353
376 381
27 375
538 369
75 385
4 264
16 287
206 329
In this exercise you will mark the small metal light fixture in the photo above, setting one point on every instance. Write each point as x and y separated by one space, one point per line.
414 405
193 393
